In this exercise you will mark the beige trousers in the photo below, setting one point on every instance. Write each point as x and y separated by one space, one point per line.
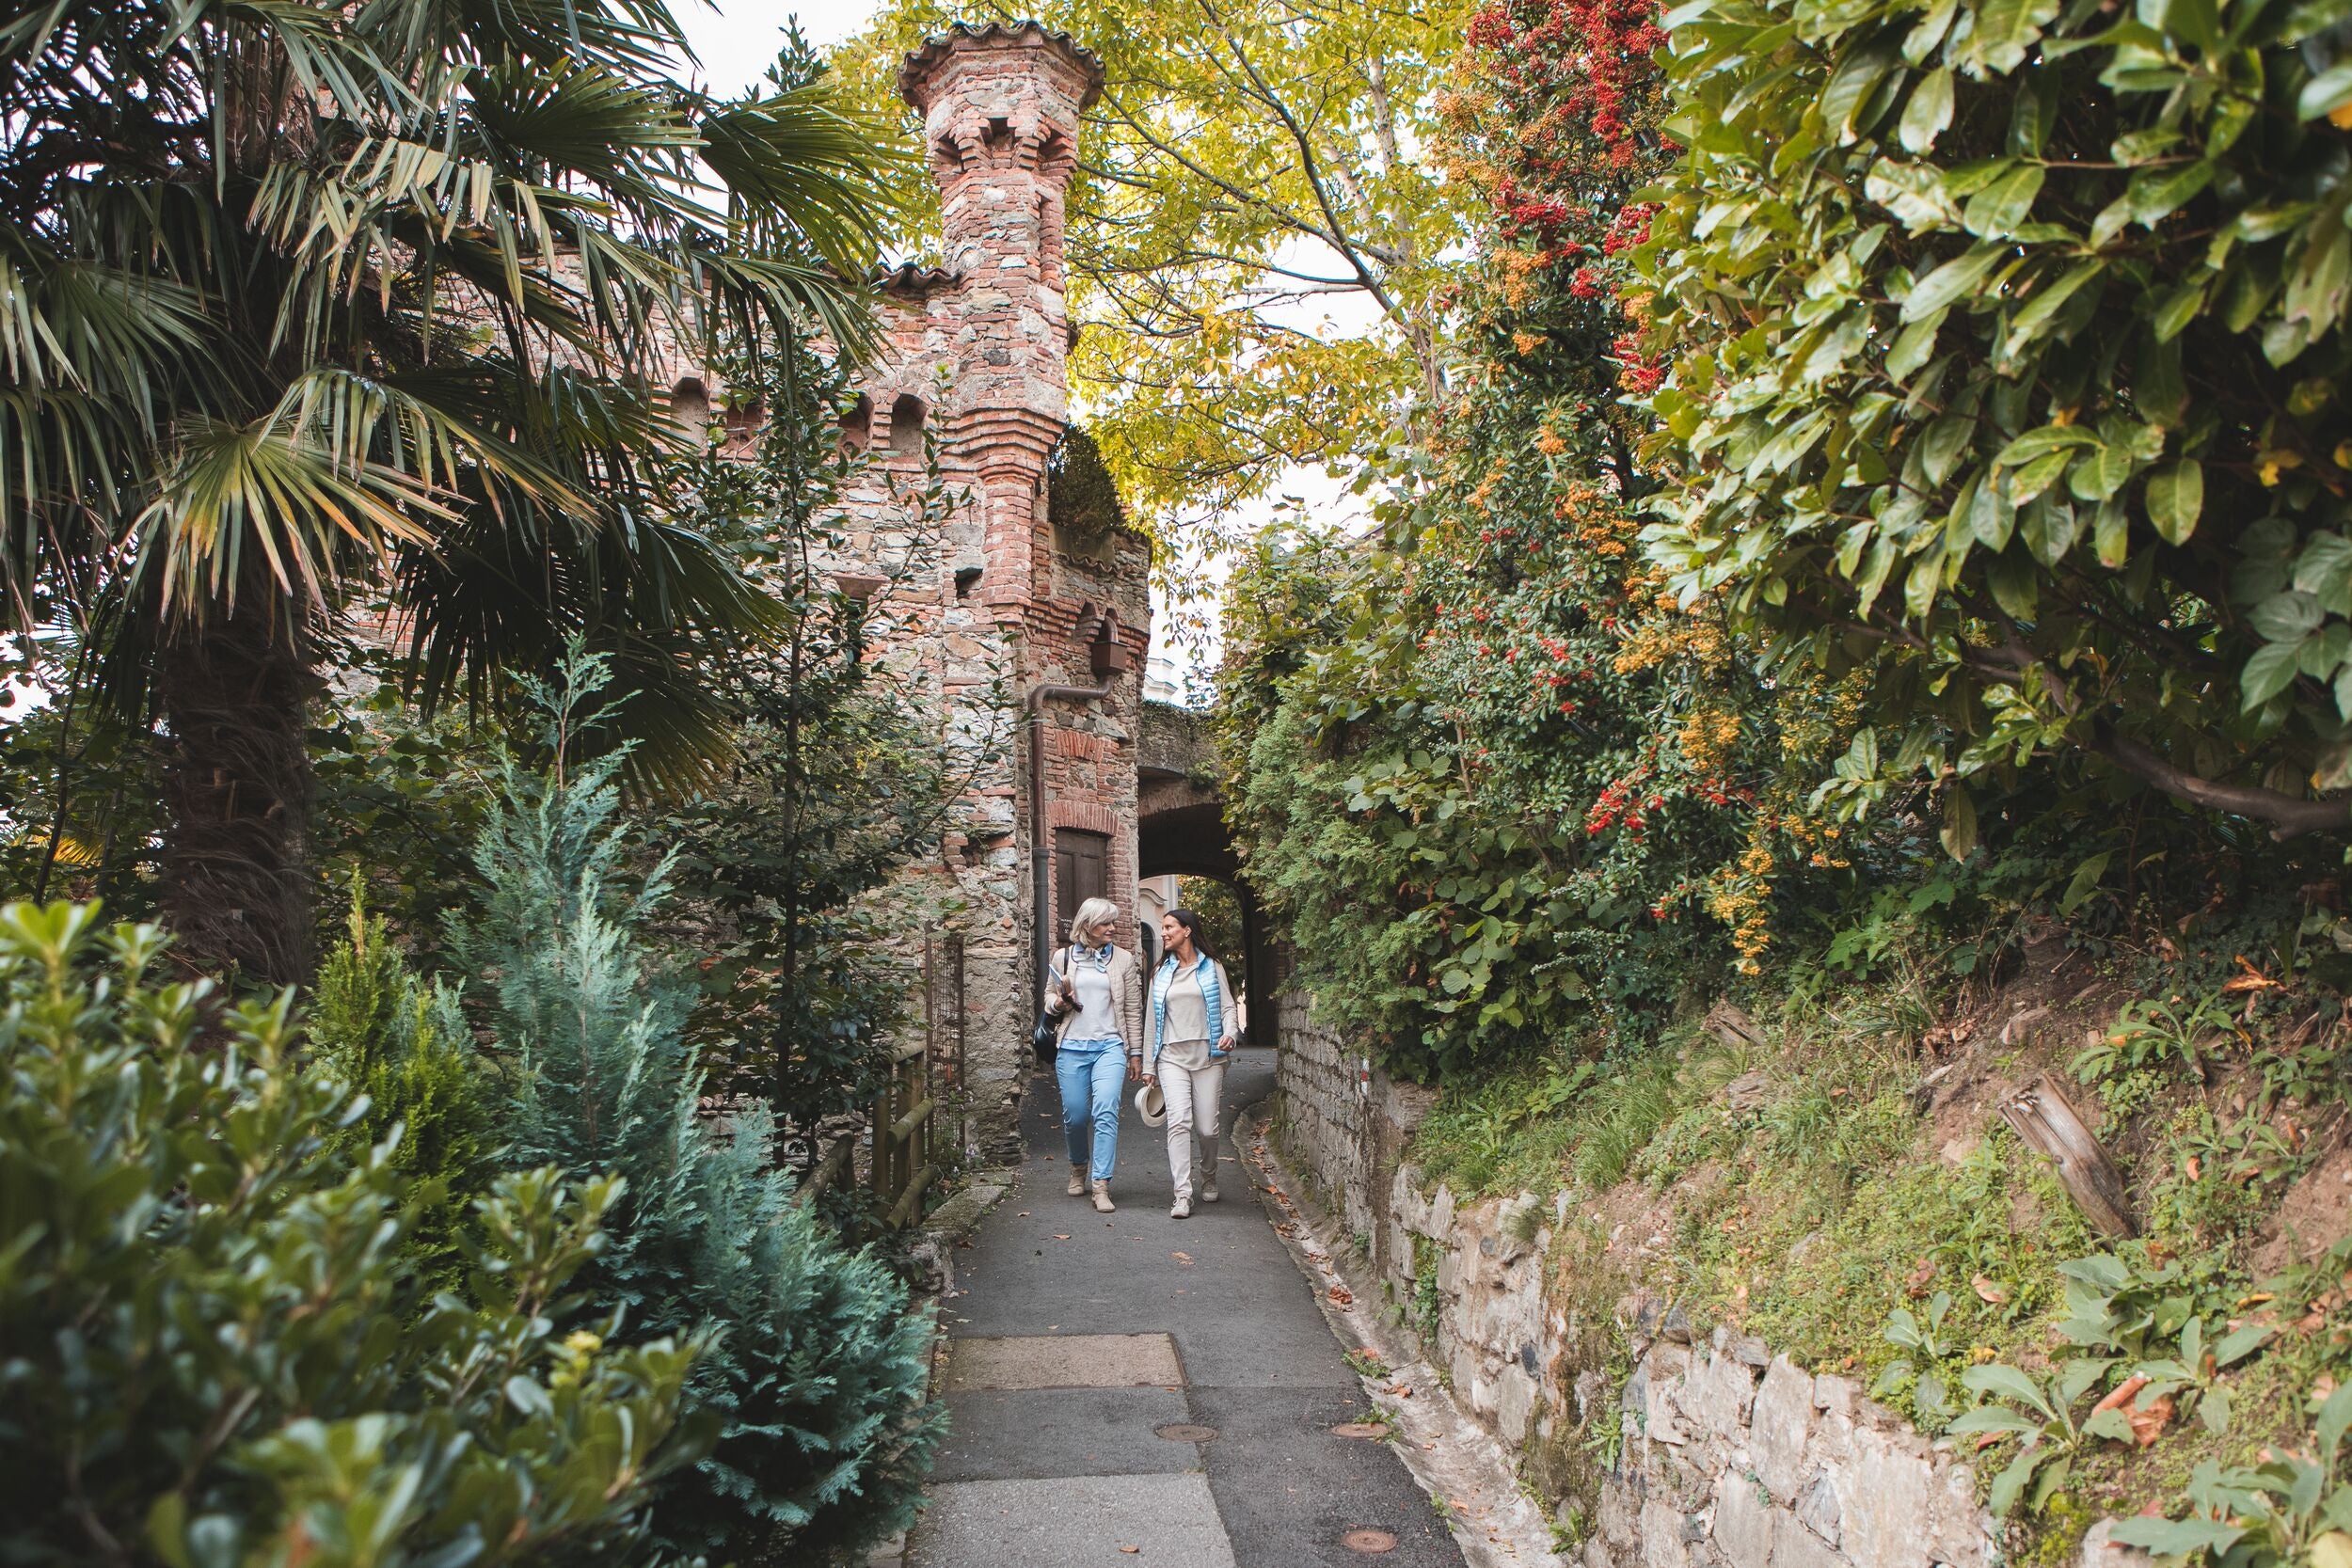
1194 1098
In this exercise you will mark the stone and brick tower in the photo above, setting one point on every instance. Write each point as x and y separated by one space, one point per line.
1035 619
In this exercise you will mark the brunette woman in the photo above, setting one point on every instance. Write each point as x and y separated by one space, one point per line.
1193 1035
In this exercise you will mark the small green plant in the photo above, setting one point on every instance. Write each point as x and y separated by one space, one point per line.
2153 1032
1923 1346
1365 1363
2040 1413
2155 1315
2125 1095
2290 1511
1428 1301
404 1046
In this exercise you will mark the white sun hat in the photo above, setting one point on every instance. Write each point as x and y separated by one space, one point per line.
1152 1105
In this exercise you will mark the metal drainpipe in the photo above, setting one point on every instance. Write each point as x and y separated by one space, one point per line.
1041 846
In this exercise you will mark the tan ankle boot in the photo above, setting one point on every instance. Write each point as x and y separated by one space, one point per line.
1078 1181
1102 1204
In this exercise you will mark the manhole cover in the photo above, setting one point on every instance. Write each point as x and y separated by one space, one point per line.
1360 1429
1185 1431
1369 1541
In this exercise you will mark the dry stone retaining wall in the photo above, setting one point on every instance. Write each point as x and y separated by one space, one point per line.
1729 1456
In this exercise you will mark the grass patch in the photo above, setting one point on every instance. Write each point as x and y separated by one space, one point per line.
1821 1207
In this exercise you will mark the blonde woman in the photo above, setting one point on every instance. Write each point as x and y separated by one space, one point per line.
1193 1033
1094 989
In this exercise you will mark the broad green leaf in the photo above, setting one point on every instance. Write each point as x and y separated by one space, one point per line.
2010 1483
1850 86
2268 673
2176 1537
1995 1418
1947 283
2039 443
1991 515
2324 93
1958 836
2084 882
2176 498
1913 346
1997 209
2113 1425
2102 472
1941 446
2193 20
2335 1417
2324 570
2111 530
2030 322
2015 584
2235 1348
1928 111
2287 617
2155 194
1998 1380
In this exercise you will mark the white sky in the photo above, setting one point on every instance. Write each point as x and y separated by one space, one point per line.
739 43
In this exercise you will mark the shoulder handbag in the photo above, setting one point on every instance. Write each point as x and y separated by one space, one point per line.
1046 1040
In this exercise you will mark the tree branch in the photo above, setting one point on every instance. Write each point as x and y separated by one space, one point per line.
2287 815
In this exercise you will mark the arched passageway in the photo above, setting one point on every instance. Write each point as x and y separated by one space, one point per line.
1179 832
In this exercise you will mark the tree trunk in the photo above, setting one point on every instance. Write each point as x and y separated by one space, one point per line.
237 781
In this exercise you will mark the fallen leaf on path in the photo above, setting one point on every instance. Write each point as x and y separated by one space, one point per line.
2149 1424
1061 1235
1341 1296
1915 1283
1023 1215
1131 1551
1184 1258
1987 1291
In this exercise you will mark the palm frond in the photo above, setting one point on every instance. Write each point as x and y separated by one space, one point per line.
276 489
802 174
73 322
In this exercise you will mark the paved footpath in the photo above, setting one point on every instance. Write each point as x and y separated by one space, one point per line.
1088 1351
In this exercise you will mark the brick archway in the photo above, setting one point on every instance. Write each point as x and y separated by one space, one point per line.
1179 831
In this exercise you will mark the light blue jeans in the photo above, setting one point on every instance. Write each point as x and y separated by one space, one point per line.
1090 1073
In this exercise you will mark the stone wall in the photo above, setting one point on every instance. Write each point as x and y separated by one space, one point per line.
1345 1124
1726 1455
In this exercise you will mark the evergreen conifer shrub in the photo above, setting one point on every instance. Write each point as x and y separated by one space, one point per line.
403 1045
819 1370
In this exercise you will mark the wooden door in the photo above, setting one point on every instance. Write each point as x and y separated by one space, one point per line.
1081 871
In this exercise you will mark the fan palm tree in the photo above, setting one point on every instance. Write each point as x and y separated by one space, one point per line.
298 296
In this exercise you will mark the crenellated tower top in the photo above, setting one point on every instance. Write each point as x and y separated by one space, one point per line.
1001 104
